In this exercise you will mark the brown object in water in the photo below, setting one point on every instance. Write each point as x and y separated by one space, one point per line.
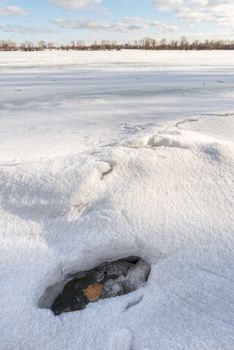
93 292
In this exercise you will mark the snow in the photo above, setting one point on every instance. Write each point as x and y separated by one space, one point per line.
117 60
121 340
108 155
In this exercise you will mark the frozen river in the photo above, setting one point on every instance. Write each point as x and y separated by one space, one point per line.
63 98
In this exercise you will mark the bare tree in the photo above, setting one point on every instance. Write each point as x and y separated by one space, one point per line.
142 44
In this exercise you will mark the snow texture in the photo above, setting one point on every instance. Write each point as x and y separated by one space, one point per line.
121 340
109 155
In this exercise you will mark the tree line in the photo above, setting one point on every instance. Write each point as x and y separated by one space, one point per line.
143 44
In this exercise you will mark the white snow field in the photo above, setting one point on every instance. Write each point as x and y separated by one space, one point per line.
111 154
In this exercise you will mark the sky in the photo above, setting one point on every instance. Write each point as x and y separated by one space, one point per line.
63 21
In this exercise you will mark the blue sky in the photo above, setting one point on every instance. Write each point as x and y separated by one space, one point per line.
122 20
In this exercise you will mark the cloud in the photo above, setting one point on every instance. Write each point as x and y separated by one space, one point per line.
197 11
167 5
125 25
23 30
12 11
76 4
104 11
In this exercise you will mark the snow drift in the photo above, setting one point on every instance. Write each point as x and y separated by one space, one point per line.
161 190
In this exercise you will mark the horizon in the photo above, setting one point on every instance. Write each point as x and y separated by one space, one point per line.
63 21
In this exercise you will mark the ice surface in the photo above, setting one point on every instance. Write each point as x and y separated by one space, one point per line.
103 161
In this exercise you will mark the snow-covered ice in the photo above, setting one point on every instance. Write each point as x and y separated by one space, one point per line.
108 155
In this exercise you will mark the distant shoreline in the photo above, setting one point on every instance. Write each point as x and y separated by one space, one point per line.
107 45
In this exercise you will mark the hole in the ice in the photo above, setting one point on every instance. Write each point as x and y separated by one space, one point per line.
107 280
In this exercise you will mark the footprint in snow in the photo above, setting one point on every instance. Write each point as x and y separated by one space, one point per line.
159 140
90 191
120 340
